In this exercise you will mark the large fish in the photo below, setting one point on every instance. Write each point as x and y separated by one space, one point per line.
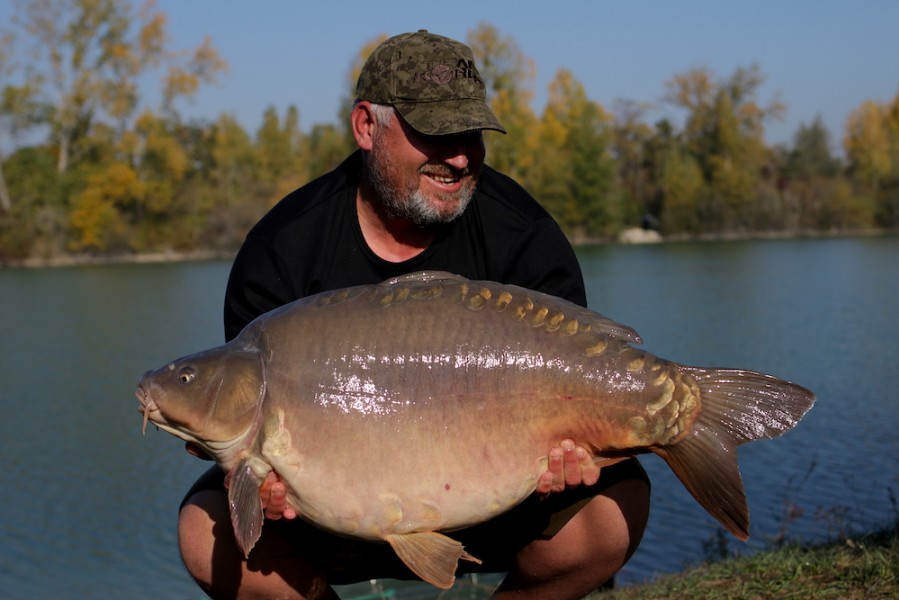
429 403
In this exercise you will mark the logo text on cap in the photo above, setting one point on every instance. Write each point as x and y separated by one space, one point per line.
442 74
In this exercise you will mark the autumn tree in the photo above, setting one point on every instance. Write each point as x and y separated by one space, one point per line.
508 76
326 147
89 57
576 173
724 132
280 148
675 181
91 54
871 143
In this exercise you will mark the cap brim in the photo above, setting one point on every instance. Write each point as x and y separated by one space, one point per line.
449 116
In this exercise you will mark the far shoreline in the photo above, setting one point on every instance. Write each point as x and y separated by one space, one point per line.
625 238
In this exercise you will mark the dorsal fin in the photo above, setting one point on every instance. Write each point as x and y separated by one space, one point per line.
424 277
584 315
598 322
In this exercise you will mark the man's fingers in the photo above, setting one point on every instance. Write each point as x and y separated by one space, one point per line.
568 465
277 500
589 468
556 468
544 484
571 463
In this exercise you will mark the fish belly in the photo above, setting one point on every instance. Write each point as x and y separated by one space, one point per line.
435 407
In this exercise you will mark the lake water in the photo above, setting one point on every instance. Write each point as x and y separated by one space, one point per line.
88 505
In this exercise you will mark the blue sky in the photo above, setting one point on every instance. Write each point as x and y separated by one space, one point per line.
819 57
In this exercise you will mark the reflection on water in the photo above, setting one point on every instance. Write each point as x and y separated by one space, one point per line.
88 505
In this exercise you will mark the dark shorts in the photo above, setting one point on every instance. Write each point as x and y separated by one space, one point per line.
495 542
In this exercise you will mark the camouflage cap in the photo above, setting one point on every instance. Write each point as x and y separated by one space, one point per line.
432 82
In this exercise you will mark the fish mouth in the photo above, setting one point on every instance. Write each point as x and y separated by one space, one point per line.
146 408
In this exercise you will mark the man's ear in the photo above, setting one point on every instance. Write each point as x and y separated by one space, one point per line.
362 120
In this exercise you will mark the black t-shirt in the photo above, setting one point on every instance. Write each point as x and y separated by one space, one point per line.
311 242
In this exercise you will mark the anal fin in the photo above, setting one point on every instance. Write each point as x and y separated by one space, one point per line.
430 555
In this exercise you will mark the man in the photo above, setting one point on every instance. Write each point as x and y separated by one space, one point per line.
415 196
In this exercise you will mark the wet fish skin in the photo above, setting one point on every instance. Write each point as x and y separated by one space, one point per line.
428 403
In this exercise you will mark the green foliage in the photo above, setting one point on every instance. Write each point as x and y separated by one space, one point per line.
574 171
811 155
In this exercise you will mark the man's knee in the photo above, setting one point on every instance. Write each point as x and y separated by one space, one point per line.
624 514
200 520
605 532
588 551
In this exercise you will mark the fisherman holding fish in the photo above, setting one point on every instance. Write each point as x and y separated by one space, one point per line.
415 196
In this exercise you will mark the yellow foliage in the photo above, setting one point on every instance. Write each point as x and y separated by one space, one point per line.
96 214
152 35
867 143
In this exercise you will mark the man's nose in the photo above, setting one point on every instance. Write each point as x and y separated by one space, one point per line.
456 152
457 157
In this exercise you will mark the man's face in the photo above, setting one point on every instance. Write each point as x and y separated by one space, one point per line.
426 179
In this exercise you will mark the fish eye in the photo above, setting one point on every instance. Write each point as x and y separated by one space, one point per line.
186 375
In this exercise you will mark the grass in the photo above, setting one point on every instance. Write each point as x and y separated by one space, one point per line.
866 567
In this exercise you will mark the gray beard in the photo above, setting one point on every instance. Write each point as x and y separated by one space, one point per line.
409 204
417 209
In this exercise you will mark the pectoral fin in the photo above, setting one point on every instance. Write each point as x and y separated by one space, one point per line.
245 506
430 555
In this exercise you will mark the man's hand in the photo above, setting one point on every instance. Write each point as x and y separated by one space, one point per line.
569 465
273 494
273 497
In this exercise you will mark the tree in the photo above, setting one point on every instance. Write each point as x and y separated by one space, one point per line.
631 138
871 143
236 201
281 154
867 144
326 147
811 153
38 218
508 76
724 131
577 173
97 211
676 179
19 109
279 146
92 54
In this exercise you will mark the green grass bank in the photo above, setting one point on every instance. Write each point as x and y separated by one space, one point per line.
854 568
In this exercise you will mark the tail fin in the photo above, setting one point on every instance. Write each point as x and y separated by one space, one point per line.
737 407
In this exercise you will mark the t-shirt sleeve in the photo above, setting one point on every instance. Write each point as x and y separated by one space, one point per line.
542 259
257 284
